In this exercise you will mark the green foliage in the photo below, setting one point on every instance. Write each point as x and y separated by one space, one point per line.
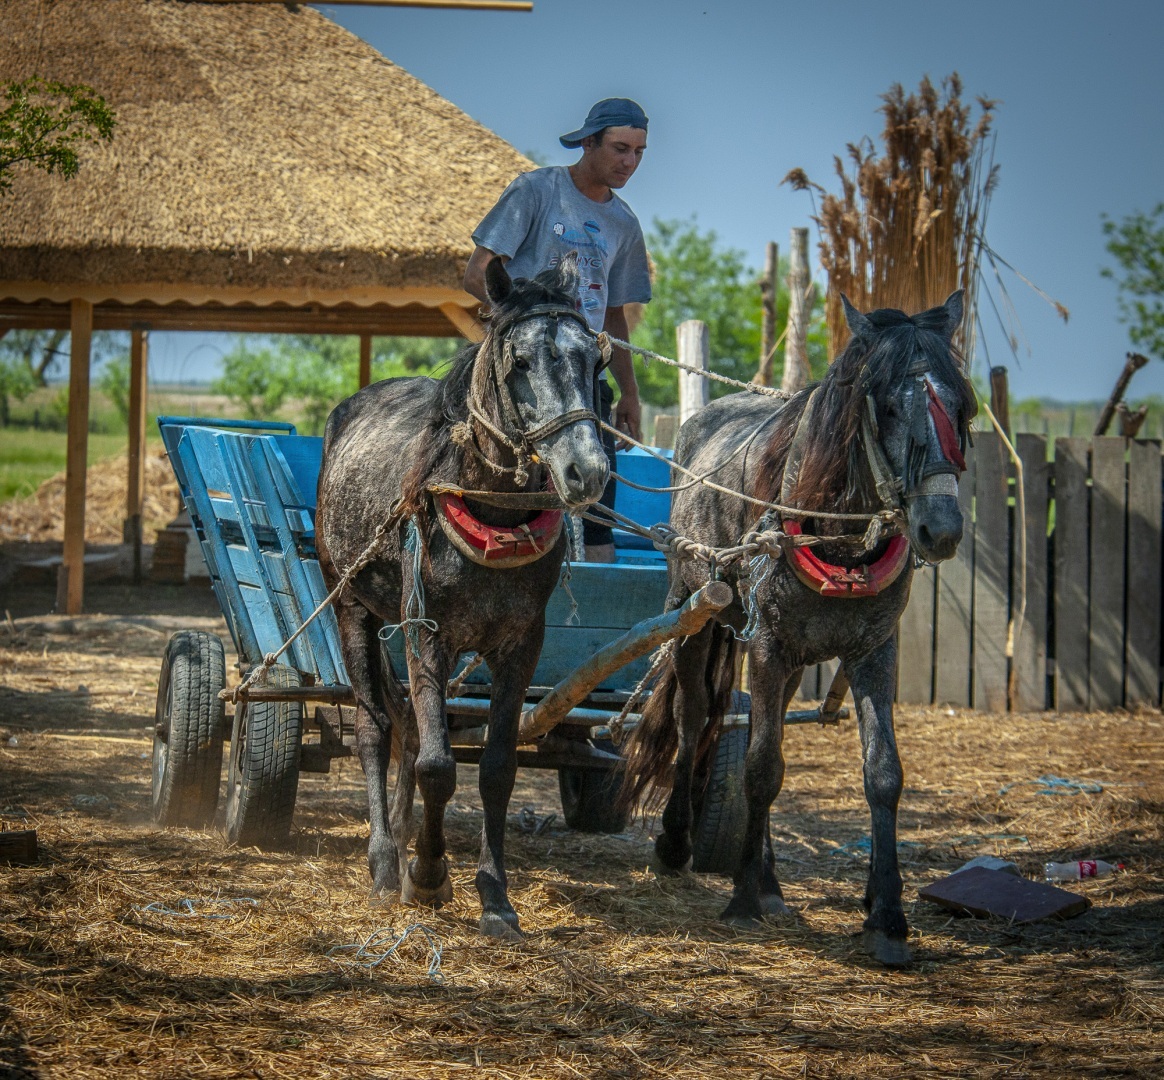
314 372
1137 243
114 384
43 123
696 278
16 383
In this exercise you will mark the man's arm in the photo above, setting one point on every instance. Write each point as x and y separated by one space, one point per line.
475 272
628 411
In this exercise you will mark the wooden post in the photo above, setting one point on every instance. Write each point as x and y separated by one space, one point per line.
768 323
1000 397
365 360
1131 422
1133 364
71 584
135 481
796 370
694 348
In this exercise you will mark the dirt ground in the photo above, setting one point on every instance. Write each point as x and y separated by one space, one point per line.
621 975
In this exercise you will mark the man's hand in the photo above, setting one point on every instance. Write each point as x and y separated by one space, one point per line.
628 416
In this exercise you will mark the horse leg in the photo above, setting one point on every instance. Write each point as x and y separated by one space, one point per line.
496 774
400 815
872 678
692 655
771 897
427 880
763 777
361 648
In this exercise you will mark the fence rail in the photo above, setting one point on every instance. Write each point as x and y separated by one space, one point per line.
1091 636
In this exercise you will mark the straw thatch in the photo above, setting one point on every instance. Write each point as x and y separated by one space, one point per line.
256 145
906 228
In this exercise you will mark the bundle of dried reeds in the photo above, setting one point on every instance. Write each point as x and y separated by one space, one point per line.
905 230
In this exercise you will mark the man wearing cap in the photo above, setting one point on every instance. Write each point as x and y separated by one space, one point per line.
545 214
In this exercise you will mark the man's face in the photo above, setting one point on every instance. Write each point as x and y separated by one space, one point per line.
614 160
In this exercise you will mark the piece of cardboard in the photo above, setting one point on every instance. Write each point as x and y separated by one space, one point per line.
980 891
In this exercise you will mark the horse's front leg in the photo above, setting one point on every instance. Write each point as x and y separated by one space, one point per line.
689 709
514 669
757 892
771 895
427 880
873 678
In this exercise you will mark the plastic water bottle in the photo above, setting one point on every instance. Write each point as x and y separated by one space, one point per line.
1076 871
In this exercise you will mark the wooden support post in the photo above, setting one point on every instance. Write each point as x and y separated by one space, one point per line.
365 360
135 480
71 584
1000 397
694 347
768 323
796 370
1133 364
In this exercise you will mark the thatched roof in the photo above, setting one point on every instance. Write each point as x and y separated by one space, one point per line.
256 146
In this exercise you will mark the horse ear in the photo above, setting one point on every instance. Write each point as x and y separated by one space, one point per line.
498 284
858 324
568 276
953 308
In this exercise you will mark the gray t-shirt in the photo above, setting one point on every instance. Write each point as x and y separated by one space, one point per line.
542 216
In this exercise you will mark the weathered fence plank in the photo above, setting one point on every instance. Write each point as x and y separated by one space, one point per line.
1072 553
1142 657
955 603
991 574
1108 531
915 641
1030 659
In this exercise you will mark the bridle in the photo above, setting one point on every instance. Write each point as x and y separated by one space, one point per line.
494 373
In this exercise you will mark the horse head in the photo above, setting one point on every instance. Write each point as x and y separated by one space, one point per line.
919 404
541 365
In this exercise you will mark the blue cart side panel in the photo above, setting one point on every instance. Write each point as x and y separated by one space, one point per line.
251 497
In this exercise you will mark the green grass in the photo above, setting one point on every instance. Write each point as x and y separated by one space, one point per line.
27 457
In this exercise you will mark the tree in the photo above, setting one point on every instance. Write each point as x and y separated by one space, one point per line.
696 278
15 384
43 123
1137 244
317 371
114 384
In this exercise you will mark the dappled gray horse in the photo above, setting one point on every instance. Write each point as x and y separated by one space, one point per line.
885 431
458 573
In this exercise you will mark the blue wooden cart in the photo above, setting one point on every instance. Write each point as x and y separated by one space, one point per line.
249 488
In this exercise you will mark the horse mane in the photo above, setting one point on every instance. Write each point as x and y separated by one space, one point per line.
439 454
832 473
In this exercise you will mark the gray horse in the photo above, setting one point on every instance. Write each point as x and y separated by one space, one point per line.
885 429
454 572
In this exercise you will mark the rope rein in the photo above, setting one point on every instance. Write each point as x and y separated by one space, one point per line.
755 388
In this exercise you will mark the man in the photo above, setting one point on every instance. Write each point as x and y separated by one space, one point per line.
545 214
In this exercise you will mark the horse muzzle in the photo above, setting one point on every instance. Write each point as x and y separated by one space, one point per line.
577 463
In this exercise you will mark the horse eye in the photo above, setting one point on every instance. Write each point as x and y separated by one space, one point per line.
520 362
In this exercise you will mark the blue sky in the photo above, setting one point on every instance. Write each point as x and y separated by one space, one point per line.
740 91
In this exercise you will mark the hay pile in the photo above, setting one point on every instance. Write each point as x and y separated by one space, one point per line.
41 516
622 975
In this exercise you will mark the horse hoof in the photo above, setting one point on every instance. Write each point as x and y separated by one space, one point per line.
500 928
892 952
739 920
773 906
411 893
661 869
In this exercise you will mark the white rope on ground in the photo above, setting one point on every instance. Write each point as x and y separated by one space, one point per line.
755 388
374 951
188 908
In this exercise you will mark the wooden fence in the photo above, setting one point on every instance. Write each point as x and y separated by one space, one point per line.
1091 635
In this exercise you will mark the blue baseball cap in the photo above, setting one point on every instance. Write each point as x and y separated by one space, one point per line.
611 112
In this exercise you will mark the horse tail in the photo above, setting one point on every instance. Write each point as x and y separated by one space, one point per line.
649 751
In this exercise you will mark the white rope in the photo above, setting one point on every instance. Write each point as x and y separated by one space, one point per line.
755 388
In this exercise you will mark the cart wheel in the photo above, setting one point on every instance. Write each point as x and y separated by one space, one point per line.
588 796
187 758
264 766
723 812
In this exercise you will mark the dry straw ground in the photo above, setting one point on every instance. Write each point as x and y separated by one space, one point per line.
621 975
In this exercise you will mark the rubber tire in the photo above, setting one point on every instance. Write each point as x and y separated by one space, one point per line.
718 838
187 759
264 767
588 796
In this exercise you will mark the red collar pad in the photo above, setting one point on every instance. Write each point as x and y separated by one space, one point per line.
497 544
947 436
841 581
